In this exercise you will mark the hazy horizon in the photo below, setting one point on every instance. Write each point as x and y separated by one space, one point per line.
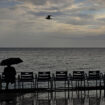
50 47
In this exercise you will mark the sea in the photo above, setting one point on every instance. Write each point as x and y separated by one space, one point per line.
55 59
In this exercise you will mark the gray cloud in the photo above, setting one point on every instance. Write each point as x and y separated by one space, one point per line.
36 2
98 1
101 19
43 2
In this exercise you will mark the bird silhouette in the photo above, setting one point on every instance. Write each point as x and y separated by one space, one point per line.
49 17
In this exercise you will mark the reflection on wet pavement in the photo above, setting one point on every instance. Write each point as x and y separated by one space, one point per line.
58 98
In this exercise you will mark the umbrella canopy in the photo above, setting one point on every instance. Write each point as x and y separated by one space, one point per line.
10 61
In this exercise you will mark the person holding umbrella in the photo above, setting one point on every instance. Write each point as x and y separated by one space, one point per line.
9 71
9 74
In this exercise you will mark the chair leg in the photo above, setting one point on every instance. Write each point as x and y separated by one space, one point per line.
37 84
68 85
65 84
96 84
76 84
84 85
51 83
22 84
48 84
33 84
100 87
72 85
88 86
55 85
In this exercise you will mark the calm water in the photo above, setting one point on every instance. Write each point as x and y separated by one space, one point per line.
57 59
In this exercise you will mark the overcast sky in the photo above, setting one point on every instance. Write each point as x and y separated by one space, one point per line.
75 23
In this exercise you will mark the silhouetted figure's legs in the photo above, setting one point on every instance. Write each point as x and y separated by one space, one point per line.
7 85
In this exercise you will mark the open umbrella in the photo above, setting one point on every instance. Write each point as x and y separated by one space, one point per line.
10 61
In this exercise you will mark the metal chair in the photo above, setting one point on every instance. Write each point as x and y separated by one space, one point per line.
61 76
26 77
78 76
44 77
94 76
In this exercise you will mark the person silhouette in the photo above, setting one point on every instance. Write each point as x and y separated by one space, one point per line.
9 75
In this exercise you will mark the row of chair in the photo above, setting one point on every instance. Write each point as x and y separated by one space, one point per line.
75 76
24 77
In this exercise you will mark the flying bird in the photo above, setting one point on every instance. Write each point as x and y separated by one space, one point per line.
49 17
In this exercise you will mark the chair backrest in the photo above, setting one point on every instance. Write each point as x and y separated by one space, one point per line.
78 75
45 75
61 75
94 74
26 76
